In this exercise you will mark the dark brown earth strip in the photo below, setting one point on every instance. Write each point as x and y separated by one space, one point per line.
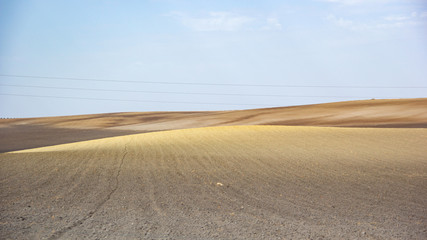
20 137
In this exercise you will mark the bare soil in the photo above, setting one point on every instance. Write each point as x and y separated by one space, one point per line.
368 113
19 137
249 182
242 182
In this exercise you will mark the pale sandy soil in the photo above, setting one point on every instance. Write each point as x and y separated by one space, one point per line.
247 182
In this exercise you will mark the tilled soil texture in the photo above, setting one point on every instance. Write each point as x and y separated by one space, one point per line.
20 137
247 182
402 113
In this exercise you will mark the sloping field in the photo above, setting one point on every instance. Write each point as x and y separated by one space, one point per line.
244 182
366 113
19 137
19 134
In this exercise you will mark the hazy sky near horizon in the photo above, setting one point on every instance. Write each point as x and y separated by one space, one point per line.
307 43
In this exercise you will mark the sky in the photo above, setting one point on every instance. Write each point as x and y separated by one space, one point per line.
60 57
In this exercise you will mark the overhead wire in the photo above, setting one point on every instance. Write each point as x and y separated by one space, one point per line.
174 92
167 92
132 100
203 84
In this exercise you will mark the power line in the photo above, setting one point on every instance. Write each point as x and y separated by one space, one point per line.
180 93
203 84
129 100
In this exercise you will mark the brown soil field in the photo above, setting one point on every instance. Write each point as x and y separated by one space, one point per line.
366 113
19 137
360 174
242 182
24 133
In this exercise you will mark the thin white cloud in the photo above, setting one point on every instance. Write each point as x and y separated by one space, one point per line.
355 2
272 23
404 17
402 20
215 21
341 22
396 18
345 1
227 21
388 22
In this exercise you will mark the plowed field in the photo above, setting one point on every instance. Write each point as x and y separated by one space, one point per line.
240 182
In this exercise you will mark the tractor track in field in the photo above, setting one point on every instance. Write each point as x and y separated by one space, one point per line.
60 233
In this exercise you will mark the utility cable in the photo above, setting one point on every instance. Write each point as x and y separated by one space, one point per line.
204 84
179 93
129 100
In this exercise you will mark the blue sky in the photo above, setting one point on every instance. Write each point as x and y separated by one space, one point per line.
381 43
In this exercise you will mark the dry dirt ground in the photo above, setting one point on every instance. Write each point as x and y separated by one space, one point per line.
367 113
248 182
23 133
233 182
19 137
